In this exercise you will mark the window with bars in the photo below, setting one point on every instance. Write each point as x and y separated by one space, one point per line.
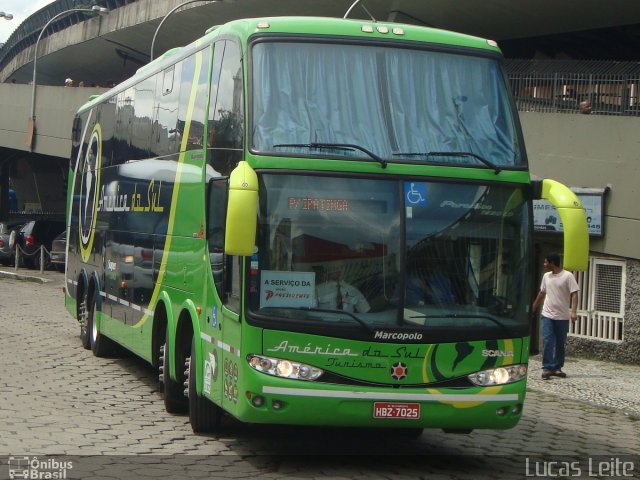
601 301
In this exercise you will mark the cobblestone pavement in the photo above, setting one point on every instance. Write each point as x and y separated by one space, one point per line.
605 384
105 415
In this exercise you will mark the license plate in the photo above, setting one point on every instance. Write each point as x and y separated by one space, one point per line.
396 410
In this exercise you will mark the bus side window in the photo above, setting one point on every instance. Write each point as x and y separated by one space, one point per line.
165 139
76 130
107 111
167 80
76 135
216 219
142 118
226 117
122 131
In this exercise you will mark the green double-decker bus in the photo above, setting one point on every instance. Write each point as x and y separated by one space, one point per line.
314 221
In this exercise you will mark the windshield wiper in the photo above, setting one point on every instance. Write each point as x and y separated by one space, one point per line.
489 164
337 146
464 315
349 314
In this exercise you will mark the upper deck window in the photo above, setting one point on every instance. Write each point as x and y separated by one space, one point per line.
404 105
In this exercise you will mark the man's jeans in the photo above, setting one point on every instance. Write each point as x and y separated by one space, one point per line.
554 336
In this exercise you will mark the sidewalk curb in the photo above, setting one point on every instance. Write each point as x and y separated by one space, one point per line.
23 277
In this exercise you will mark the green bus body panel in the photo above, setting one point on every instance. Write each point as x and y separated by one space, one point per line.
355 407
134 340
226 374
70 303
316 26
372 362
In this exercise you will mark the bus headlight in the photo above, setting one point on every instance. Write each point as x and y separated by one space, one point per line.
498 376
283 368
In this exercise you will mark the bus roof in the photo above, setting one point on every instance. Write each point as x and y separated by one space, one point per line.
316 26
329 26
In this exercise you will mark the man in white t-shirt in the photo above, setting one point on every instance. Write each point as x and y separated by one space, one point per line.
559 290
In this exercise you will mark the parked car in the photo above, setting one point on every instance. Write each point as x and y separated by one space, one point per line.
7 252
35 234
58 251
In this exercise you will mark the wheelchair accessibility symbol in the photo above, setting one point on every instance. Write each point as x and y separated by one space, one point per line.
415 193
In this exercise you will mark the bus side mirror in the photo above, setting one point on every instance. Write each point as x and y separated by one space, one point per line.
574 221
242 211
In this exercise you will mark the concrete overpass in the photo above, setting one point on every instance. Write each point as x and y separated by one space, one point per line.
99 49
54 110
38 174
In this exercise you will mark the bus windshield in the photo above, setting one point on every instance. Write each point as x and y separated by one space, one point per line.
402 105
373 254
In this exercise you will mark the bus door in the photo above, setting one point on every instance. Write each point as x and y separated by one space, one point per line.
231 331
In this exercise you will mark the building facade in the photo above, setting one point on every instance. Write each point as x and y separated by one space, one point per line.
596 153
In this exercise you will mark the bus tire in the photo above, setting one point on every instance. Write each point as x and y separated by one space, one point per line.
83 320
100 345
172 391
204 416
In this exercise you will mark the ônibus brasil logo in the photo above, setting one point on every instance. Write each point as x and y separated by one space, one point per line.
89 186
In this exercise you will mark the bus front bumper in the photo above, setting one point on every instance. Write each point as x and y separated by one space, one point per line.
322 404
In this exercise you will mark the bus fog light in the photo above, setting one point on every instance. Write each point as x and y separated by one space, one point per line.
516 409
501 411
283 368
257 401
498 376
277 404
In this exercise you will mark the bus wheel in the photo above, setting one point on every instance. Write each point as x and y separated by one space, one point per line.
83 320
99 343
173 392
161 367
204 416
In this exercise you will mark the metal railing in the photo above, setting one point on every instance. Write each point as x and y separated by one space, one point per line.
558 86
41 253
601 301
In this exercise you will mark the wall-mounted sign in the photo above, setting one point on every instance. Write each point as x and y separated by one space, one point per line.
547 219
